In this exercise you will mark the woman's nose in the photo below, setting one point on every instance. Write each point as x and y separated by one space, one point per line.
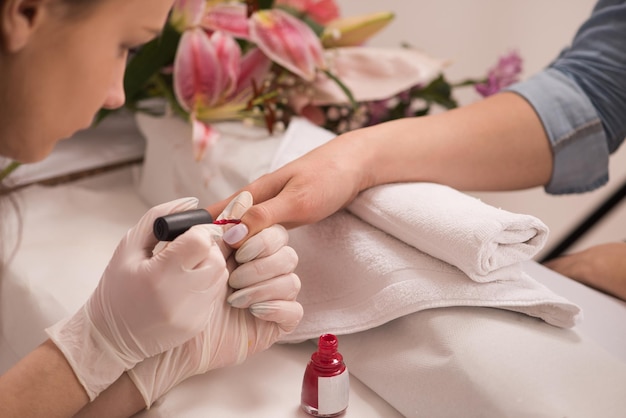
115 96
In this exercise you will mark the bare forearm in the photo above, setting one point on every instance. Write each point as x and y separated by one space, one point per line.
495 144
41 384
121 399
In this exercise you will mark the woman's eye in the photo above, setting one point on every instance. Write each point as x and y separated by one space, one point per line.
128 51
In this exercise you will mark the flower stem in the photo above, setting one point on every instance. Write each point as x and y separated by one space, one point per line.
169 96
343 88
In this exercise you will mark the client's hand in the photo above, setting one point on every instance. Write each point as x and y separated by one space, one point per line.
256 309
306 190
144 304
602 267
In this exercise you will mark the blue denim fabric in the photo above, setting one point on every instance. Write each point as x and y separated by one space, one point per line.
581 100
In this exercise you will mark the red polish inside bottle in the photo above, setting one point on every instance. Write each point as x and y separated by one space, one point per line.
326 384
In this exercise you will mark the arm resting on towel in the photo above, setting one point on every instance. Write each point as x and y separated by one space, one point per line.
495 144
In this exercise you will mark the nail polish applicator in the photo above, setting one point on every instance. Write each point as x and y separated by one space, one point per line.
168 227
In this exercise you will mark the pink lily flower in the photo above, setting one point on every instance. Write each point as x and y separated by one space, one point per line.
213 82
371 74
205 68
287 41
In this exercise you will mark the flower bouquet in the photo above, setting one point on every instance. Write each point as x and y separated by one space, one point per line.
243 70
265 61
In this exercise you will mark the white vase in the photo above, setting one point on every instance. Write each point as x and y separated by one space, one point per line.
241 154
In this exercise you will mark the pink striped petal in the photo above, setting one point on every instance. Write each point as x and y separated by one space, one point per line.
229 56
187 13
230 18
287 41
198 74
204 137
255 65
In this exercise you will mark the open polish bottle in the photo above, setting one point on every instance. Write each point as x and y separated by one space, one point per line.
326 382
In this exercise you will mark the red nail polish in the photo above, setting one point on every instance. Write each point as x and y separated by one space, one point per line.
326 383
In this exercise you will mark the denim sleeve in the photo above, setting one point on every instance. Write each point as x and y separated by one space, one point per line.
581 100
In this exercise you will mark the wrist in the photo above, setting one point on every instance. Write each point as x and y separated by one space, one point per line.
94 362
360 147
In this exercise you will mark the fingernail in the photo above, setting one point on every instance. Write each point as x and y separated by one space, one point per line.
261 309
239 300
235 234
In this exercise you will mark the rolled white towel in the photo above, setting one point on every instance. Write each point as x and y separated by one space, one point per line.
484 242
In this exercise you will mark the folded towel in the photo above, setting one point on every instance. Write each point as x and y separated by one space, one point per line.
484 242
356 277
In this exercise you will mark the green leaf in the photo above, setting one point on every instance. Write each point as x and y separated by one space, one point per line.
266 4
149 60
439 91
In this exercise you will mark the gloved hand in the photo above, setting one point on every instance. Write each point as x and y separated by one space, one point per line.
257 308
144 304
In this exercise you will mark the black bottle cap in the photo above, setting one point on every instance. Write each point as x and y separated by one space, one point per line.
168 227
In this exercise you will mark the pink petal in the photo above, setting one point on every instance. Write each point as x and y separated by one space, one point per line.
204 137
229 55
374 73
230 18
198 74
255 65
287 41
187 13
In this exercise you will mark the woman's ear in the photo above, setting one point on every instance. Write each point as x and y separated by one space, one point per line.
18 20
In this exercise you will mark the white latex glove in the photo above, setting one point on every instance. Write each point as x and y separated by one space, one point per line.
144 304
259 313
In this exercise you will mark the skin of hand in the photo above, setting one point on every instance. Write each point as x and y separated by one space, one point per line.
602 267
495 144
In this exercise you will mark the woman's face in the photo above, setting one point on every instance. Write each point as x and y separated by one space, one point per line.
69 67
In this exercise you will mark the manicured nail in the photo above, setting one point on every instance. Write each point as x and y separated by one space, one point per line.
235 234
